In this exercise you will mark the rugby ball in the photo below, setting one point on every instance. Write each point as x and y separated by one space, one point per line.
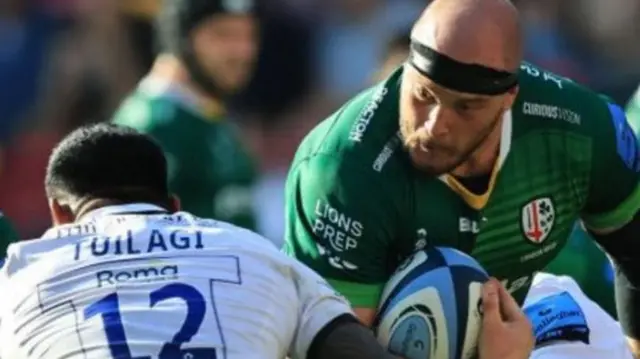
430 308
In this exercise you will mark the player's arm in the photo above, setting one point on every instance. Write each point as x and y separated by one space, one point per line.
347 338
327 328
340 222
611 212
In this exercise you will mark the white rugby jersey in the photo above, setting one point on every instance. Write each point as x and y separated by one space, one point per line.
568 325
158 286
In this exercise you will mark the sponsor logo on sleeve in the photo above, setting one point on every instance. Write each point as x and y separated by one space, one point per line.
338 234
336 228
558 318
369 110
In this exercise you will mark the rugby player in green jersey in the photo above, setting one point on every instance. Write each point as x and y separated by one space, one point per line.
8 235
208 51
466 146
580 258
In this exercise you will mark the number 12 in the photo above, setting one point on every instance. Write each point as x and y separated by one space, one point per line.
109 309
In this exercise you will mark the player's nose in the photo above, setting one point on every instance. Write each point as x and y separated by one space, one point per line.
437 122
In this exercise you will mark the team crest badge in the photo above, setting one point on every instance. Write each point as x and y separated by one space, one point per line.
537 219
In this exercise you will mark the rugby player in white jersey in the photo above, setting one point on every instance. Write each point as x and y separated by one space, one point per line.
567 324
123 274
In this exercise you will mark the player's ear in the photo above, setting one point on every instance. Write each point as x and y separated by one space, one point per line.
174 203
60 213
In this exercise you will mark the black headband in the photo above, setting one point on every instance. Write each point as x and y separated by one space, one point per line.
458 76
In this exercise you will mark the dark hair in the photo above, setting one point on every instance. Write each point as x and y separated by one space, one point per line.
107 161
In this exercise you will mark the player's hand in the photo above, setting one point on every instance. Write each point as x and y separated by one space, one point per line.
506 332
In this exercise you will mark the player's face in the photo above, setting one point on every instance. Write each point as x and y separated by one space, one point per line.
443 128
226 47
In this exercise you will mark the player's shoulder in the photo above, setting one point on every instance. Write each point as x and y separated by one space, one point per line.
221 237
363 133
174 233
548 101
148 108
215 235
235 234
22 254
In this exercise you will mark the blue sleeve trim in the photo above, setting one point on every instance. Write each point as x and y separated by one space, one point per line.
626 142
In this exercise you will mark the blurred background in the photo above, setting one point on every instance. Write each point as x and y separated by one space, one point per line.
64 63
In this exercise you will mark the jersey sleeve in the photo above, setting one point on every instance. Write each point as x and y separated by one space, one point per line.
340 221
319 305
614 195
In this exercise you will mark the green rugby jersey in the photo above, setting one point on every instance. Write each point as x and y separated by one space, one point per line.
8 235
582 259
585 262
209 168
355 206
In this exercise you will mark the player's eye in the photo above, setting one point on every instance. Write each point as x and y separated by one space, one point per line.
463 107
423 95
466 106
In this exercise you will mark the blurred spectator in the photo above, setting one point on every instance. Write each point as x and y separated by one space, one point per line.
138 20
72 61
209 49
395 54
26 33
353 37
284 70
545 43
91 69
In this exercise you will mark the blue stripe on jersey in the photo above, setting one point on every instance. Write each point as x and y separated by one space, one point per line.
626 143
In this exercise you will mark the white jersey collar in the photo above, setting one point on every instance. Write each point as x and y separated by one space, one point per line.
505 137
92 217
120 209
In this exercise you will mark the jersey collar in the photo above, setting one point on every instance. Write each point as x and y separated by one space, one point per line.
96 214
157 86
130 208
505 138
479 201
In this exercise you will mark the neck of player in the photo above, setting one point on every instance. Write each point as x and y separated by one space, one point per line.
170 68
482 161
